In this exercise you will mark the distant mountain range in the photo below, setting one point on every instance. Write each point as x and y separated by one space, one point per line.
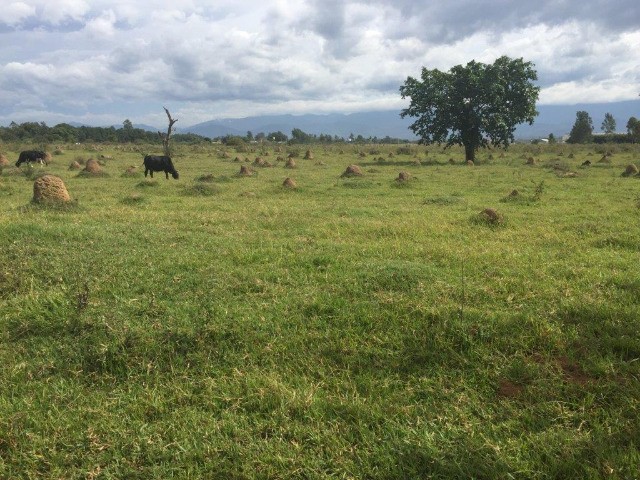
556 119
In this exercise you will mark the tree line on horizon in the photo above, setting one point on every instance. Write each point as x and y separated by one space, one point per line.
583 130
40 133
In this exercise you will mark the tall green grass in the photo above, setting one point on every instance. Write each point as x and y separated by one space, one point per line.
221 326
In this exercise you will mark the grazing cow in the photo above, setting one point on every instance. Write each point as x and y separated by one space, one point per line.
29 156
162 163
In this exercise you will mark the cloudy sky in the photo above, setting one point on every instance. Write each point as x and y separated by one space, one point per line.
103 61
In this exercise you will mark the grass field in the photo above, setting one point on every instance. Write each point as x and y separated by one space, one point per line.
220 326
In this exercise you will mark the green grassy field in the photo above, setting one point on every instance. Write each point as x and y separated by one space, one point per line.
220 326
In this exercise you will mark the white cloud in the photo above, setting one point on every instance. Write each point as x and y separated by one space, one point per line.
16 12
224 58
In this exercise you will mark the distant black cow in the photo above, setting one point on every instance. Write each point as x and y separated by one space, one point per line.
32 156
162 163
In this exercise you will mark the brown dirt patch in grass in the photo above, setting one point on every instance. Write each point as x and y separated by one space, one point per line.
308 155
572 372
4 161
508 389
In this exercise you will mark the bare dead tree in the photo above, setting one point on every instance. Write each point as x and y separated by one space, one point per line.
166 137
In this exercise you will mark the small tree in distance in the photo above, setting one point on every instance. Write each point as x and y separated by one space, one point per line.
608 124
582 129
472 105
633 129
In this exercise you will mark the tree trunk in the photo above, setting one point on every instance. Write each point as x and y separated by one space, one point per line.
469 152
166 137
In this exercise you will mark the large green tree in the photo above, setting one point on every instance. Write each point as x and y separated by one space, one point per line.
582 130
472 105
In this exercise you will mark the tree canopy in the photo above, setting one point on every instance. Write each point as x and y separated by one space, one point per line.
472 105
582 130
608 124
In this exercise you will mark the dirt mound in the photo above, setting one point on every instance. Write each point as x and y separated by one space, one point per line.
308 155
50 189
352 171
75 166
289 183
452 161
245 171
92 166
131 171
403 177
291 163
630 171
490 215
4 161
604 159
237 160
531 161
514 193
261 162
470 163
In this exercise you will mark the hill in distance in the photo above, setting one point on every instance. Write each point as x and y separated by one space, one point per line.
556 119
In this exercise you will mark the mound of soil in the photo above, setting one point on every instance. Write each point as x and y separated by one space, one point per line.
630 171
352 171
470 163
50 188
245 171
75 166
289 183
4 161
403 177
92 166
491 215
514 193
452 161
261 162
604 159
237 160
291 163
308 155
531 161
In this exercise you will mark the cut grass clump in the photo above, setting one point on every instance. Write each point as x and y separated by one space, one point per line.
147 183
201 190
134 199
211 178
444 200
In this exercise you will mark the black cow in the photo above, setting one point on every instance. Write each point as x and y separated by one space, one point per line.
32 156
162 163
